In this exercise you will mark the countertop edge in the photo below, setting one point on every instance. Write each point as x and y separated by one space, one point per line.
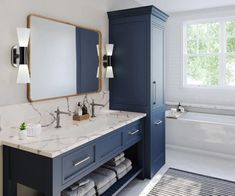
58 153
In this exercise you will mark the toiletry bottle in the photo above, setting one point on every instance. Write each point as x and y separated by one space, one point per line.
181 109
76 111
178 107
79 109
84 109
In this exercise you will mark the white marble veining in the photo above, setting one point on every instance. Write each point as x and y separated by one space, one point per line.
53 142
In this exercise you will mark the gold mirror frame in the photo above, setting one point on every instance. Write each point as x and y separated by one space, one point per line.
29 64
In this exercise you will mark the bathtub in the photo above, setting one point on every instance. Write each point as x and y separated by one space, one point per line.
204 133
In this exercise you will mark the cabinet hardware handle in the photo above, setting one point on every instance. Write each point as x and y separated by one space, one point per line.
155 92
157 122
134 132
82 161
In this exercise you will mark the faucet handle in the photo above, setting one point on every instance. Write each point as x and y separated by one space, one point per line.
57 110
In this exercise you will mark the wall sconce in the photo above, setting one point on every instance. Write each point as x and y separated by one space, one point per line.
107 61
19 56
98 68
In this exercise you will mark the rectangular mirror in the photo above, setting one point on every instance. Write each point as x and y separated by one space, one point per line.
63 59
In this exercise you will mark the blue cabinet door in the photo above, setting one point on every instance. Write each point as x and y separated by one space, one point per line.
157 65
128 89
157 143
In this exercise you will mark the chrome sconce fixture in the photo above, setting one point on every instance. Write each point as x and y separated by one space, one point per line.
19 56
107 61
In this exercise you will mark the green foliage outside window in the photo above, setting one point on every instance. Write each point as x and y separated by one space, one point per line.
205 54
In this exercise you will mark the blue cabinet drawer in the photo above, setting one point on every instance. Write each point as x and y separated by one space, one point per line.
157 139
76 162
110 144
134 133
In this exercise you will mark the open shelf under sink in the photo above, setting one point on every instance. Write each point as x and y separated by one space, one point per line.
120 184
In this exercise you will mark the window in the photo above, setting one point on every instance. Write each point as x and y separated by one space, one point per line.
209 53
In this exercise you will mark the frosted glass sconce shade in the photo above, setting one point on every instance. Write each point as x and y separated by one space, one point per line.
98 72
23 75
98 50
109 72
107 61
19 56
109 49
23 36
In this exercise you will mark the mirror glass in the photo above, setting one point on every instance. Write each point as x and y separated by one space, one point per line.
63 59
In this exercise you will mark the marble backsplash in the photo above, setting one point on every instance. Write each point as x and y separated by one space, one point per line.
43 111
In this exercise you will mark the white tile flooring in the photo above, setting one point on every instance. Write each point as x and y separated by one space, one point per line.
197 163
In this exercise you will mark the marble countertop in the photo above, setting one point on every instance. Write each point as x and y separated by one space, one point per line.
53 142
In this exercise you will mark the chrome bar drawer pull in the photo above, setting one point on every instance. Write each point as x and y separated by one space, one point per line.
80 162
134 132
157 122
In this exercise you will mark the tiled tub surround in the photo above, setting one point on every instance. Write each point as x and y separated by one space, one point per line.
53 142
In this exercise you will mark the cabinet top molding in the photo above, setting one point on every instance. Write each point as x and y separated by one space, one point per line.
138 11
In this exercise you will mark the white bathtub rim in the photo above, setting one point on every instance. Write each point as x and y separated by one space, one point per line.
200 152
183 117
207 122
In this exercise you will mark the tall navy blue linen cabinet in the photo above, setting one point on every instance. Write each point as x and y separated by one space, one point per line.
138 83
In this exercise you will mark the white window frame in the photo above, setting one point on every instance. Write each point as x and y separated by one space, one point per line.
222 53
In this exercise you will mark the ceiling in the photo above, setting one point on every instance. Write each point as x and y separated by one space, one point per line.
186 5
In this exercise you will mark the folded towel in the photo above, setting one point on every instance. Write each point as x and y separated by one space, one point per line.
118 157
82 182
129 168
121 167
115 163
127 162
121 175
106 187
118 169
92 192
69 193
99 179
106 172
82 190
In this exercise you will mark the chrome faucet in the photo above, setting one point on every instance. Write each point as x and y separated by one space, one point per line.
93 104
58 112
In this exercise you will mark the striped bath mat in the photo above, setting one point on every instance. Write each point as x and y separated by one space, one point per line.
180 183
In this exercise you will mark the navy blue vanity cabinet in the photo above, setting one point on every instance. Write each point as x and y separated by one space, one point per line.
52 175
138 64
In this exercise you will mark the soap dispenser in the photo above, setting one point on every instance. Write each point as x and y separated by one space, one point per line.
79 109
84 109
178 107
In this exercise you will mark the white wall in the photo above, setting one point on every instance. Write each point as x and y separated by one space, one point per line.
174 90
13 13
